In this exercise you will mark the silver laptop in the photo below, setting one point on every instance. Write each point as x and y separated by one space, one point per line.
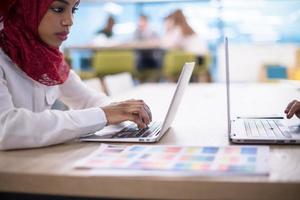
257 130
155 130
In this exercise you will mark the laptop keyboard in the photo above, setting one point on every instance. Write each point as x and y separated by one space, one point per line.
266 127
132 131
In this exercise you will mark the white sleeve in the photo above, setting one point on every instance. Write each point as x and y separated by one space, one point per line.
22 128
78 96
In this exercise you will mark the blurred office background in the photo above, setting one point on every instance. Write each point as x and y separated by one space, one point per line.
264 36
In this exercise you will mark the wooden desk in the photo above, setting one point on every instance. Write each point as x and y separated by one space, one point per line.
201 120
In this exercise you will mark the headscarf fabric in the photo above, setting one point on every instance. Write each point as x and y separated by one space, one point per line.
20 40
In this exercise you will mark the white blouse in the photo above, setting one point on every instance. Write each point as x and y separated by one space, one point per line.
26 118
174 39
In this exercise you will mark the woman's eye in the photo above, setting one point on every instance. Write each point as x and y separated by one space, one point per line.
74 10
58 10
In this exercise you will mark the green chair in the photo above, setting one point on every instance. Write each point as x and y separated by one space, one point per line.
112 62
174 61
85 75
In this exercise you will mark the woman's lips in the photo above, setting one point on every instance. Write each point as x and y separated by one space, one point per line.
62 35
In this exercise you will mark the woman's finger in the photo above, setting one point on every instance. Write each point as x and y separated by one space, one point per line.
287 109
298 114
136 118
293 109
148 112
141 112
145 116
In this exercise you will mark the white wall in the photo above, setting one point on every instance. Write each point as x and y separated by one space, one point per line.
246 60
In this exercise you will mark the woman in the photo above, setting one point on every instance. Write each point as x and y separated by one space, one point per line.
33 74
180 35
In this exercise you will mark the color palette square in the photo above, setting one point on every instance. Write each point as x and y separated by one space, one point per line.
192 160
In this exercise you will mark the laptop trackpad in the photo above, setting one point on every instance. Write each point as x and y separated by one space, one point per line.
295 129
108 130
293 125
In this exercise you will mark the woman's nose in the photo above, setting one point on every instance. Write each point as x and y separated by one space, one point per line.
68 20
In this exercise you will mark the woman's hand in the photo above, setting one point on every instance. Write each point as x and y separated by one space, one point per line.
292 109
133 110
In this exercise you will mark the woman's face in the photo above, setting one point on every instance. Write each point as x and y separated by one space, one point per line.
169 24
56 23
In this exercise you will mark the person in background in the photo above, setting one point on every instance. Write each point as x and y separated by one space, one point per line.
143 31
180 35
33 74
148 57
104 37
107 31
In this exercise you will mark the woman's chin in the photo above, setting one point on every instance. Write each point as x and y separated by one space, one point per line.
55 44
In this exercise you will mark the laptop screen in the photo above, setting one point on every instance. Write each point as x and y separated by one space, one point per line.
181 85
227 85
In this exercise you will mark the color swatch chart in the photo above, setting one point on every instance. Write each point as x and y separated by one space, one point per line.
207 160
